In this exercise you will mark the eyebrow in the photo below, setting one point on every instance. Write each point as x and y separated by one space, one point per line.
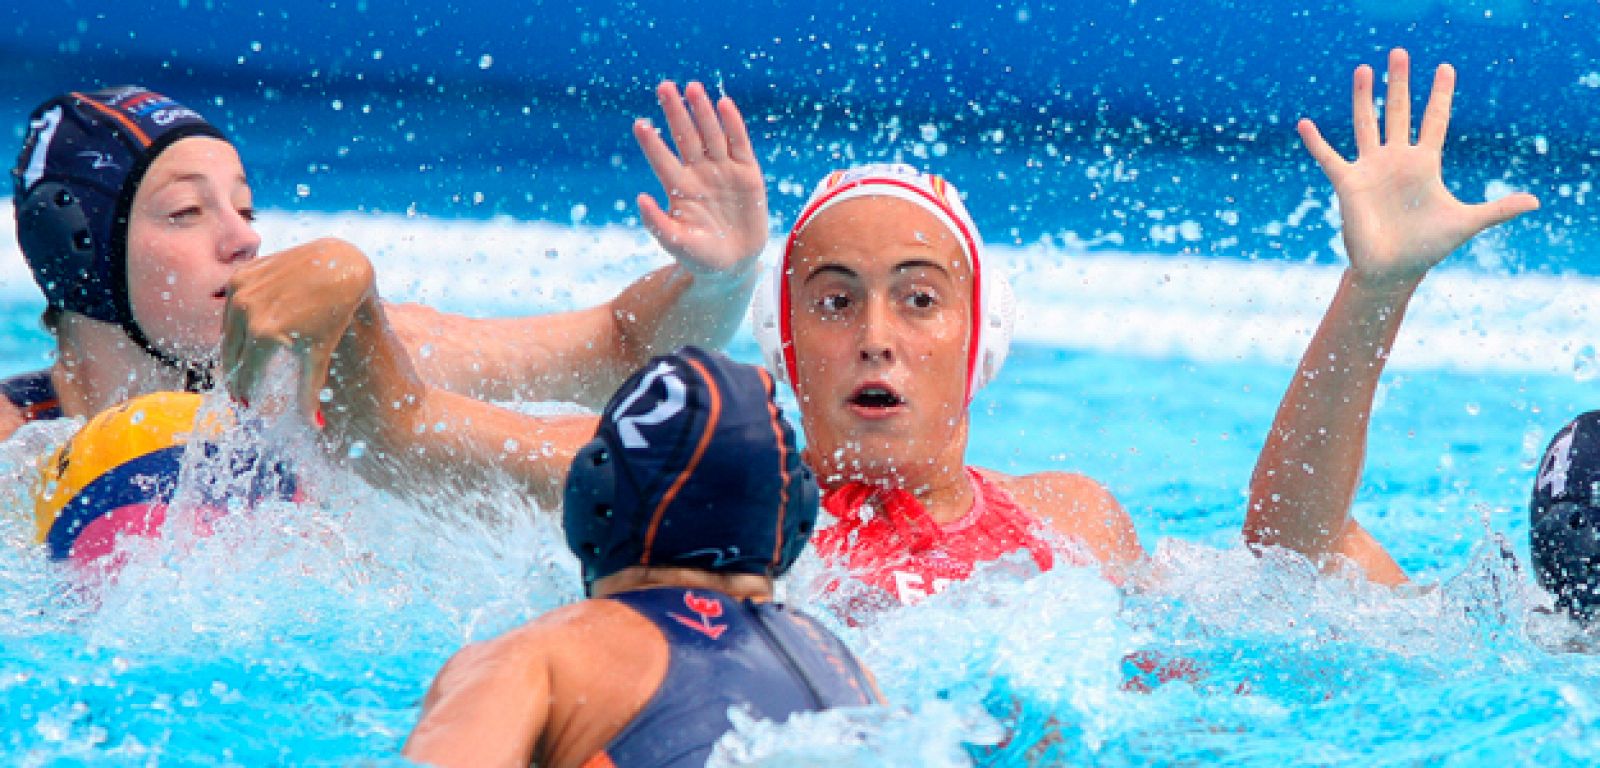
910 264
837 268
197 178
903 266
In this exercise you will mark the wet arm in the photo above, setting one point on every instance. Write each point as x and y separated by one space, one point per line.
714 227
485 708
1399 221
319 303
1306 477
578 356
416 439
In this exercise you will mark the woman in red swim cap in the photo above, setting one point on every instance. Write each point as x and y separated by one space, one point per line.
882 316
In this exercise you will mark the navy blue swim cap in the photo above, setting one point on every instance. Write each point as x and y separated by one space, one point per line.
1564 517
694 466
73 189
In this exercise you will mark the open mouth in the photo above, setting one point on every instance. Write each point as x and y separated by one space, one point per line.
876 397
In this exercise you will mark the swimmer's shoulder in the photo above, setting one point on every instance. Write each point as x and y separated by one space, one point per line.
594 662
567 636
1079 507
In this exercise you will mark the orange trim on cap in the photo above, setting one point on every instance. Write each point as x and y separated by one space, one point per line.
783 467
33 412
130 125
694 461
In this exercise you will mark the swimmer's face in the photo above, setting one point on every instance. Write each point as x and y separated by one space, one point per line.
882 299
188 230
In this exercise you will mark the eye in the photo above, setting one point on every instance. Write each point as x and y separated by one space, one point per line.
248 214
183 215
834 302
921 299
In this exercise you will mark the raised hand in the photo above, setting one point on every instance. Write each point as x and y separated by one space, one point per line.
1399 218
716 219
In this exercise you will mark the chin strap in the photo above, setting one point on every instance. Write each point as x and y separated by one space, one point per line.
197 376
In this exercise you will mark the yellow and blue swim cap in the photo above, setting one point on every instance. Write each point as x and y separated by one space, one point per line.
118 474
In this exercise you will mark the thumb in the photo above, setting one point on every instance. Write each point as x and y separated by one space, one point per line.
1497 212
659 223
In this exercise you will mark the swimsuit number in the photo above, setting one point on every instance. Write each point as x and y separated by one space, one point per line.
908 585
628 426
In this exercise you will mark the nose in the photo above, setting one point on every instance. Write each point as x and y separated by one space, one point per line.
876 338
239 240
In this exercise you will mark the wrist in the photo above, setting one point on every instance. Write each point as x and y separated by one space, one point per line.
740 275
1384 287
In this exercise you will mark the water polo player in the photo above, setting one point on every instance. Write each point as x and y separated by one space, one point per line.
884 320
882 316
133 212
1399 221
688 502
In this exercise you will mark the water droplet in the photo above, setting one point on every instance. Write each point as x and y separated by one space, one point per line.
1586 364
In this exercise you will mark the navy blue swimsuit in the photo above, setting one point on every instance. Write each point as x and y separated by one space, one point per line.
34 394
724 653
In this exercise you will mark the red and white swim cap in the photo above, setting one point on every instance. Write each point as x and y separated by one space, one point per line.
993 308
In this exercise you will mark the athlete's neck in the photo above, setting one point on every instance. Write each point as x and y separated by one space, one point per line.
740 586
939 483
98 366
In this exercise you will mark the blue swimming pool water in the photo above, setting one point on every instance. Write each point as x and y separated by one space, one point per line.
1171 249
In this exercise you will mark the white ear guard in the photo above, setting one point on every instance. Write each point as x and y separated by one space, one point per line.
995 306
764 308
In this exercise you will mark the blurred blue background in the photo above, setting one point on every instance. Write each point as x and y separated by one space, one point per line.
1106 123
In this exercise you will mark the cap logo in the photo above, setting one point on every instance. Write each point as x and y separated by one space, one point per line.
628 425
1557 464
99 159
45 129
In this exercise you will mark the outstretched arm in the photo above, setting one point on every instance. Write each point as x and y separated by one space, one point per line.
714 226
1399 221
319 302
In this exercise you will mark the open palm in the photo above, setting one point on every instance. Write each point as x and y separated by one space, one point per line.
716 216
1399 218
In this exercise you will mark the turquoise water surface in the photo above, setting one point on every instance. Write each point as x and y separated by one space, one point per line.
1172 248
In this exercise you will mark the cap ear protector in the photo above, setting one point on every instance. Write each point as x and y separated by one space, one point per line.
57 239
993 303
589 516
1565 545
694 466
1564 517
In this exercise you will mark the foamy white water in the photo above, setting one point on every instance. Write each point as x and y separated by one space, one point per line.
1203 309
